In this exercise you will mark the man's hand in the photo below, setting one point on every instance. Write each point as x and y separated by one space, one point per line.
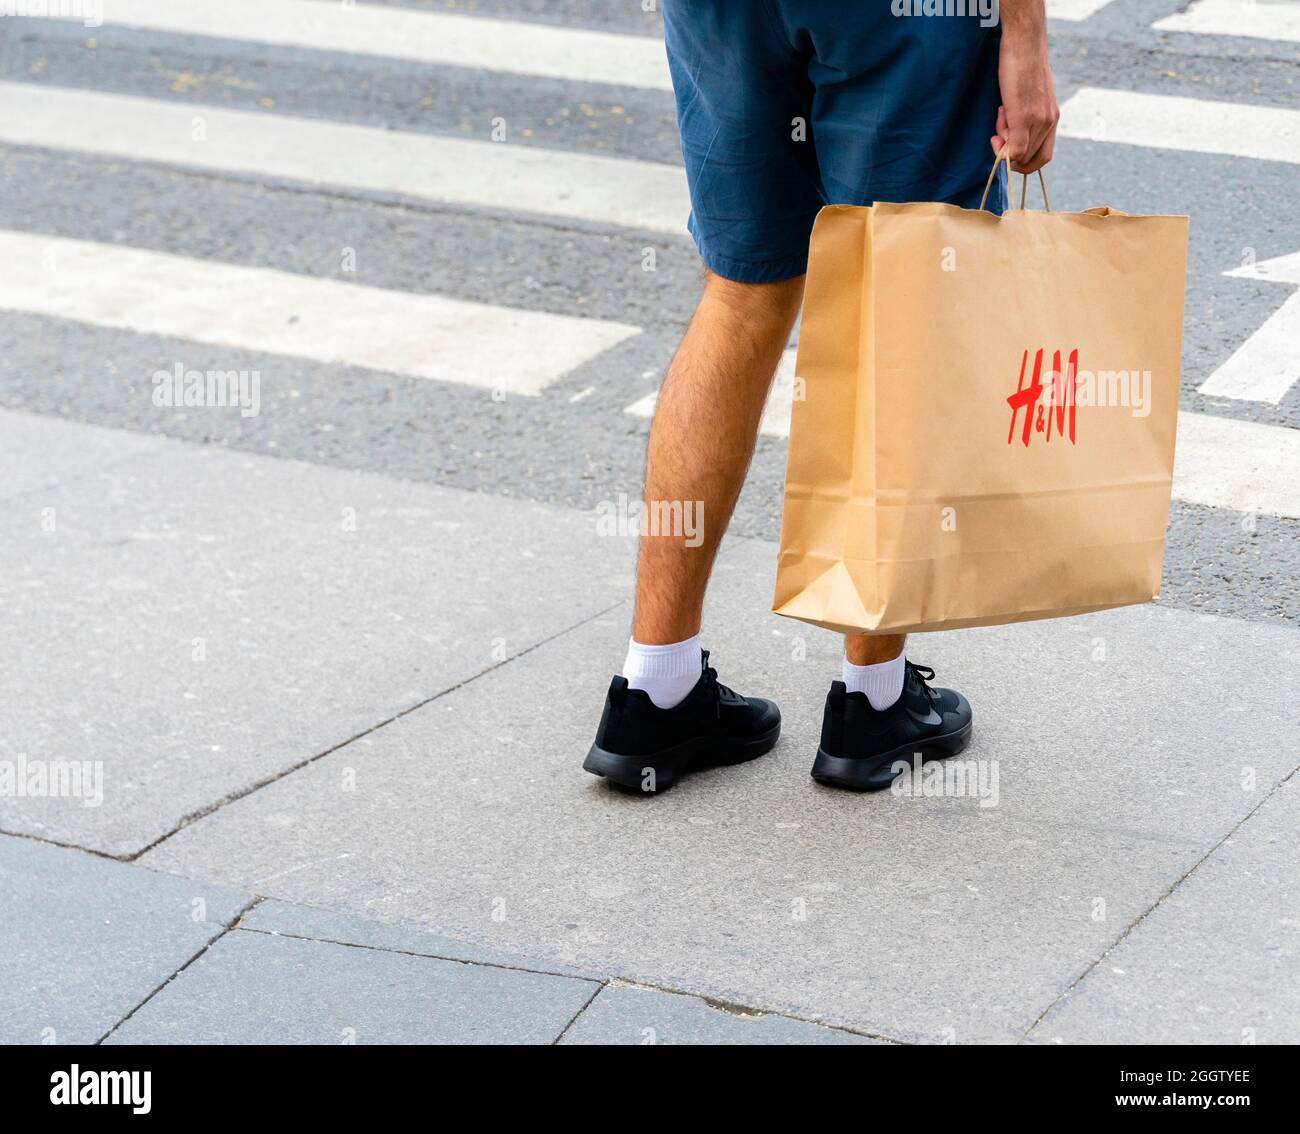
1028 115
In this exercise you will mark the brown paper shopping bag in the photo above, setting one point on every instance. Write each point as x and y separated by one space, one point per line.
984 416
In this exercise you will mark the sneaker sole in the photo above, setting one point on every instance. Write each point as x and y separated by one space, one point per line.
671 764
858 774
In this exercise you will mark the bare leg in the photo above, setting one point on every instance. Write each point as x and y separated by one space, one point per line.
871 649
702 439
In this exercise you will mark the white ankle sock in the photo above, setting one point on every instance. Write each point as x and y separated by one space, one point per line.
666 673
882 683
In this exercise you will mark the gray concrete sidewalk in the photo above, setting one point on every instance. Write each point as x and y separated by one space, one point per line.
363 704
104 952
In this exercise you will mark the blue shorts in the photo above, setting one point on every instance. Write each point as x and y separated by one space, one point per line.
788 105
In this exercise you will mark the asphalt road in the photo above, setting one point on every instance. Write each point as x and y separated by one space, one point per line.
574 442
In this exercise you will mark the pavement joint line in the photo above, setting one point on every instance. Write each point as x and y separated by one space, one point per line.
234 797
716 1003
521 968
735 1008
226 928
574 1019
65 846
1128 930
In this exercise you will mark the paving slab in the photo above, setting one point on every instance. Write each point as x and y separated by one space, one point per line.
1217 962
207 618
625 1014
256 988
914 917
290 920
85 940
41 453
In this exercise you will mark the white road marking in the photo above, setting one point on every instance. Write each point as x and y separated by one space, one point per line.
1266 365
1074 9
1169 122
1242 465
1258 19
447 39
498 175
258 309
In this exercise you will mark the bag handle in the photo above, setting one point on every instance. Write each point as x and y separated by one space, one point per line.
1003 156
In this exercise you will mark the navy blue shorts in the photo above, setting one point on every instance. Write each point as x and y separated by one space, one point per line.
788 105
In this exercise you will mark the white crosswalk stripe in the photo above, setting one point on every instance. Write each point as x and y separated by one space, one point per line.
1267 364
497 175
256 309
447 39
1170 122
1242 465
1074 9
1257 19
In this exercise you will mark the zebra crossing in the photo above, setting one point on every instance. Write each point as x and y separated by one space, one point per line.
1223 462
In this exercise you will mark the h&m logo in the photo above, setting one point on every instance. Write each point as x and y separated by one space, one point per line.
1063 404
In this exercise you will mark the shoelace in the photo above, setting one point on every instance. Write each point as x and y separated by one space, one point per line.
715 686
924 675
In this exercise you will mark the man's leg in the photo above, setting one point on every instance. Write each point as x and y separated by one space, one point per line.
874 665
701 441
872 649
666 712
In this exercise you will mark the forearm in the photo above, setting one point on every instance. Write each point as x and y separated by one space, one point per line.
1027 119
1025 21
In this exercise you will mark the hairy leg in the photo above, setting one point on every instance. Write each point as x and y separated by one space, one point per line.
701 442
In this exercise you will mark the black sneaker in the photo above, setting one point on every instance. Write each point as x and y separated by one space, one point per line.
642 746
860 745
